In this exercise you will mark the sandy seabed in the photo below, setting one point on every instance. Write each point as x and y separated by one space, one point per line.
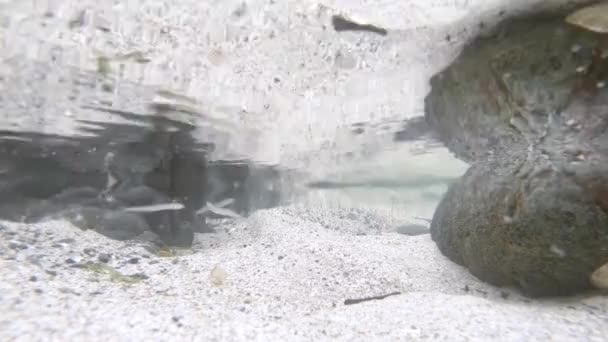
286 274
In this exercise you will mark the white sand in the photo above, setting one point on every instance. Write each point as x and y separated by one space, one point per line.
325 259
289 271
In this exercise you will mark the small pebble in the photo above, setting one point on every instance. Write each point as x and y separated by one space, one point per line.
105 258
599 278
89 251
133 261
33 278
73 260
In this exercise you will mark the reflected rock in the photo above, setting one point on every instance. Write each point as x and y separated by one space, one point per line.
105 176
114 224
114 146
93 181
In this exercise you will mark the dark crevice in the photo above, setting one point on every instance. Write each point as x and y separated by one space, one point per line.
342 24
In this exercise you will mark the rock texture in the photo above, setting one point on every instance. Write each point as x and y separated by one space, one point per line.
526 106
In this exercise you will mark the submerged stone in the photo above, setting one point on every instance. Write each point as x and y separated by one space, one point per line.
532 210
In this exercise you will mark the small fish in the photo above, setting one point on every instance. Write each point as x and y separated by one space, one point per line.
155 207
218 276
163 104
168 94
218 209
224 203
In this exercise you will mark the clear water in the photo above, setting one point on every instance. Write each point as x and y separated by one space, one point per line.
250 105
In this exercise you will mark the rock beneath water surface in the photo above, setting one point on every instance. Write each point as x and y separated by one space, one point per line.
45 178
532 211
412 229
76 197
114 224
121 226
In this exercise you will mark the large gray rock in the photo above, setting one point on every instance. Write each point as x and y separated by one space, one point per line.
532 211
498 93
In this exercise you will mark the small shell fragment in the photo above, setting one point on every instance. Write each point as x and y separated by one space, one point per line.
558 251
593 18
599 278
218 276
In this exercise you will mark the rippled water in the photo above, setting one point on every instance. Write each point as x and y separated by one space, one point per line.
226 108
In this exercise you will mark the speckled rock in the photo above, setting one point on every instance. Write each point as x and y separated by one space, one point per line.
498 93
532 211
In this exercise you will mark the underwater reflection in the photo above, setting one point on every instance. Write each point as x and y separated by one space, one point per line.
125 180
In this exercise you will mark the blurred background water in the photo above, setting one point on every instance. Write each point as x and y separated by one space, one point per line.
251 104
